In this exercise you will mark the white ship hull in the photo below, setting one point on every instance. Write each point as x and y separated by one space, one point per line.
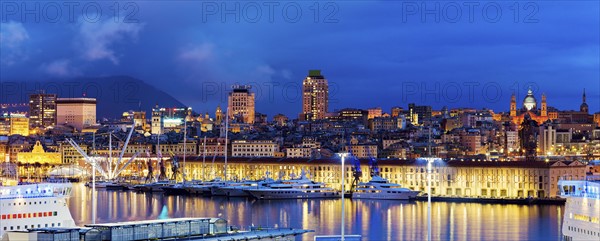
582 210
34 206
292 194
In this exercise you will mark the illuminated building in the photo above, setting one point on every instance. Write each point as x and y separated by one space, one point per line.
315 96
168 119
470 140
547 139
387 123
76 112
308 149
396 111
468 178
361 150
70 155
42 110
139 119
530 108
240 104
351 115
419 113
374 112
38 155
254 148
280 119
218 115
4 125
177 148
14 124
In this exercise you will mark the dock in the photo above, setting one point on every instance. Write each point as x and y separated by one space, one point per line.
216 229
262 234
543 201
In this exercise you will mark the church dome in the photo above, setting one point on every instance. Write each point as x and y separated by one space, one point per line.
529 103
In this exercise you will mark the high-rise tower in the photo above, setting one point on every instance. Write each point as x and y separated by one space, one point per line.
315 96
42 110
241 104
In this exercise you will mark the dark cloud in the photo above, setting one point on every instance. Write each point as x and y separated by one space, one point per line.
373 53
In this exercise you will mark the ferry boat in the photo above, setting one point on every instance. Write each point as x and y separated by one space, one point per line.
42 205
380 188
294 188
582 210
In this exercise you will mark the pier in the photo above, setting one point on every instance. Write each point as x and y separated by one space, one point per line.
216 229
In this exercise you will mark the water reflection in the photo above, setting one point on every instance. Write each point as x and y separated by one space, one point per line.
374 219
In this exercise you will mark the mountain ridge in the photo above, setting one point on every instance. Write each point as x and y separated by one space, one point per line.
114 94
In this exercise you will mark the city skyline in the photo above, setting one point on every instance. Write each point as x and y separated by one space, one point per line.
417 60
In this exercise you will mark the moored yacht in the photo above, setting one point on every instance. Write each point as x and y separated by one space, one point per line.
42 205
239 189
293 189
582 210
204 188
152 187
380 188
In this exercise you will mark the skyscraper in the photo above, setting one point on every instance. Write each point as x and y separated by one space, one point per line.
240 104
315 96
42 110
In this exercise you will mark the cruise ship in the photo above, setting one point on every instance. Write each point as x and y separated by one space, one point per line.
42 205
582 210
294 188
380 188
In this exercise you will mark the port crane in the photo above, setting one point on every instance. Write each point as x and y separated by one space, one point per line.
373 164
356 170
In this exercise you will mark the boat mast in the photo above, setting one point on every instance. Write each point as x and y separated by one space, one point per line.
203 160
110 155
184 146
226 140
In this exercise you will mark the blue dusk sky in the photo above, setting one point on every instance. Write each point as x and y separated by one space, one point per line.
373 53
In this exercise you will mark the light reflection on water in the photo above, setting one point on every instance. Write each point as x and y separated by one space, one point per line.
374 219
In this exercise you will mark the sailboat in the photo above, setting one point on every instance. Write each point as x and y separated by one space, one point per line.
206 187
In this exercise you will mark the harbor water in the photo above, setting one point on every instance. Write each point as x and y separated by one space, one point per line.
373 219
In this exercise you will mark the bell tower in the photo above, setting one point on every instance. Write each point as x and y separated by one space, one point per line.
584 107
513 105
544 110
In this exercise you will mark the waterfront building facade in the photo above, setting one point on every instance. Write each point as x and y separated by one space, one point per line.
458 178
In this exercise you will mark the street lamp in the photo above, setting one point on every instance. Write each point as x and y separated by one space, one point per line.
343 156
429 160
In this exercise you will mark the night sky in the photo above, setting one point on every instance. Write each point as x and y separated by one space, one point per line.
374 53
